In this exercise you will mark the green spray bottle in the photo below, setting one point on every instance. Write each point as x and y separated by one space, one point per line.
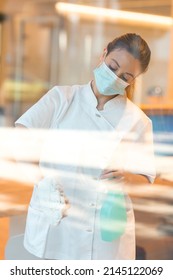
113 215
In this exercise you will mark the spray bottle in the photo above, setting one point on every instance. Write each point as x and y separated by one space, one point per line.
113 215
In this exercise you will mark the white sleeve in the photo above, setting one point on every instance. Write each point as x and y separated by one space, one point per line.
42 113
140 154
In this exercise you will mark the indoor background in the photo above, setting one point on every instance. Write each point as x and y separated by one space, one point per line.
45 43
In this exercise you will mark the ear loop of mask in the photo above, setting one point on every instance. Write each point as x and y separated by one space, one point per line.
102 57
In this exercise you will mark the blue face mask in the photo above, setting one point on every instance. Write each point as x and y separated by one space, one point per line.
107 82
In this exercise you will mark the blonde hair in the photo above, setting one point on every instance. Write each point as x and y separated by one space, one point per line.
130 90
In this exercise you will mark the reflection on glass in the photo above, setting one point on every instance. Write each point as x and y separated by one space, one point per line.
40 48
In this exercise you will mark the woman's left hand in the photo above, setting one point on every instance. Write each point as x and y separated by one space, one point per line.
117 175
126 177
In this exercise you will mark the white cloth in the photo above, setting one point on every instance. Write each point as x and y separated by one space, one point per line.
81 142
50 199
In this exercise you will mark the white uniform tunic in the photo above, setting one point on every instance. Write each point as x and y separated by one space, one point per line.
81 142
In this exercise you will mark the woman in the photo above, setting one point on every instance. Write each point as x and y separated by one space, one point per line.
98 140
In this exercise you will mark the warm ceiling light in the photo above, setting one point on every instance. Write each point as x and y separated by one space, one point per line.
111 15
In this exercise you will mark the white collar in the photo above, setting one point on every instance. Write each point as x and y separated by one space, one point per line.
91 100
